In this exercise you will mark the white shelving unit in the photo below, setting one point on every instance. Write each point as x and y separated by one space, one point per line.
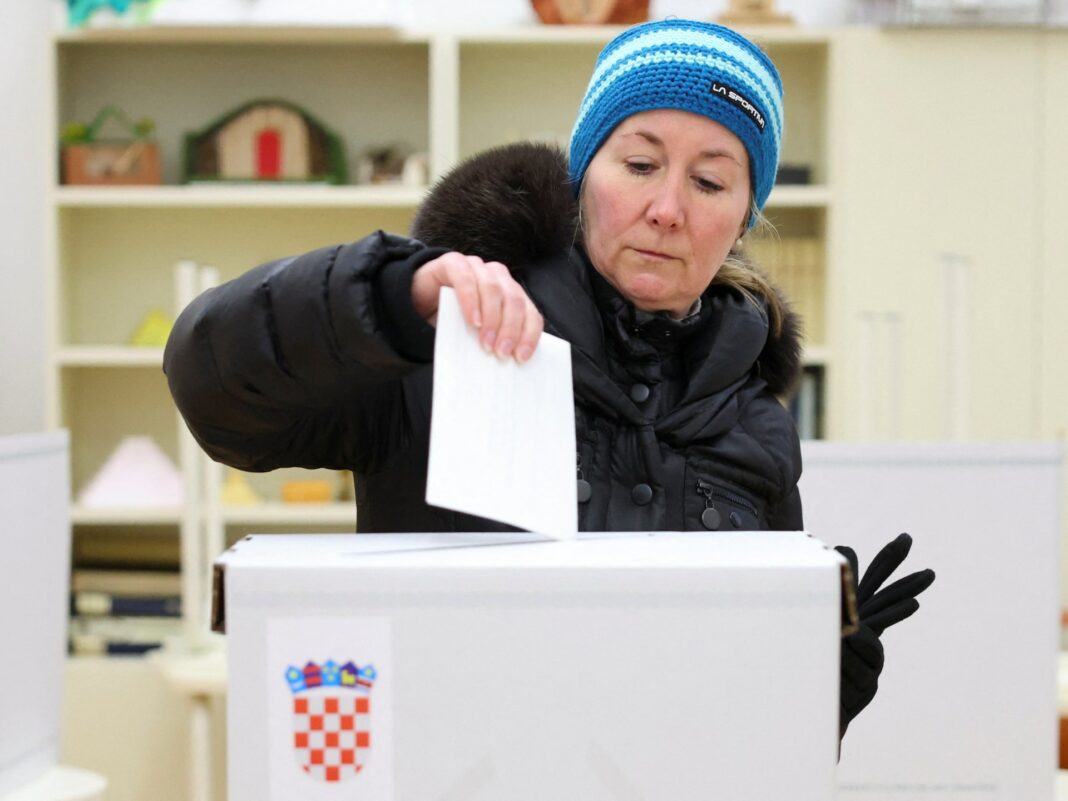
126 516
109 356
339 515
281 197
800 197
449 94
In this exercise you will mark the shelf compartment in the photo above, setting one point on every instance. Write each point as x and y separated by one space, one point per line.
600 35
499 106
101 407
203 80
241 34
123 259
534 34
241 196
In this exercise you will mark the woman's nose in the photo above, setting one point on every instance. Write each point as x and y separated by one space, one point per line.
665 208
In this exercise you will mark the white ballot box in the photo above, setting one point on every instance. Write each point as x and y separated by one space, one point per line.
504 666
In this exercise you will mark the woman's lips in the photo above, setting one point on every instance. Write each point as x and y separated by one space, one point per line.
654 255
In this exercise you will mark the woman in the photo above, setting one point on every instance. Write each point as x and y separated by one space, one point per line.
679 347
629 250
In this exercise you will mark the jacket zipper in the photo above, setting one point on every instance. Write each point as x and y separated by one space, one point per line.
708 490
583 489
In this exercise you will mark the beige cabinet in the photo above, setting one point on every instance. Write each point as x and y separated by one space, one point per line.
940 198
950 242
1051 369
1051 226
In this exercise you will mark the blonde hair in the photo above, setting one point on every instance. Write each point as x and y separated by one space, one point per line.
741 273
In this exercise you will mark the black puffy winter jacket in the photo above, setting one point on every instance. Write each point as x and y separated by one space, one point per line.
320 361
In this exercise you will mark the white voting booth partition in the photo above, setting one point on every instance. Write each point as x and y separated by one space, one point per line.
34 570
966 709
485 667
34 497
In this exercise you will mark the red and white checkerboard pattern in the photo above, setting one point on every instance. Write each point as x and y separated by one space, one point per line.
332 734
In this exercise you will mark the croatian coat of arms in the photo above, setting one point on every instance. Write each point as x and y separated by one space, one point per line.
331 718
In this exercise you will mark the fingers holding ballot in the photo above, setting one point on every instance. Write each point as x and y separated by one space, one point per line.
490 300
506 451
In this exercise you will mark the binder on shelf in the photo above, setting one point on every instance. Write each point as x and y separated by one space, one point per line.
128 613
807 404
796 266
104 604
809 283
96 646
121 635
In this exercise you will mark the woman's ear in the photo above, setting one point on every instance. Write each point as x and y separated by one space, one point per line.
743 226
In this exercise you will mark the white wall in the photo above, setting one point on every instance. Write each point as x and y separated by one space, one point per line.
814 13
451 13
490 13
507 12
25 158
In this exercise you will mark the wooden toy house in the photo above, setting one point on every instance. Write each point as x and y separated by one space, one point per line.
265 140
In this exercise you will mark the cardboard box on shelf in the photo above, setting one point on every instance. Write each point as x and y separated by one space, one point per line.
412 666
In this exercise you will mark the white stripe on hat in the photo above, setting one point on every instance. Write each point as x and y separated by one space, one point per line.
685 58
687 36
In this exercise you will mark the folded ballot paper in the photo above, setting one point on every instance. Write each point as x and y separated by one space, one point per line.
502 434
512 667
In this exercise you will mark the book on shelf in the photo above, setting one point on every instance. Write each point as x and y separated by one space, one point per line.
121 635
160 583
127 628
807 404
110 550
90 645
104 604
795 264
118 612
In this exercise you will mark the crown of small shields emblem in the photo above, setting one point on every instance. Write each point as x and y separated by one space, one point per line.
331 718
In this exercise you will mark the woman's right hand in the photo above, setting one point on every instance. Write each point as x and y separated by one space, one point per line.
508 322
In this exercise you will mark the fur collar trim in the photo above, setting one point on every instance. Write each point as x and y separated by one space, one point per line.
514 205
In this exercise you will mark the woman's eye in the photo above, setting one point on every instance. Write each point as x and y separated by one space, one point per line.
639 167
705 185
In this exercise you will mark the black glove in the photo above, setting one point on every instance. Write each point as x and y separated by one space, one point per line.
862 652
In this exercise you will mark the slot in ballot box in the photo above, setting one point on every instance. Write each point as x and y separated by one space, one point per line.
506 666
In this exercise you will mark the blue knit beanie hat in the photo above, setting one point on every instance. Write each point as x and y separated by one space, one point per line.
693 66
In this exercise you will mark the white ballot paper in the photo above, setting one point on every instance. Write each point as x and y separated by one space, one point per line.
502 435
